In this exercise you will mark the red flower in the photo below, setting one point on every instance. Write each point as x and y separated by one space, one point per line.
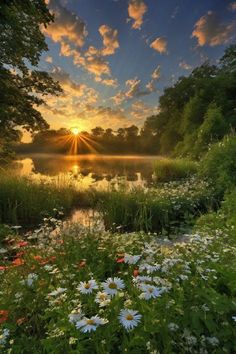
20 254
3 316
82 263
18 262
22 243
120 260
3 267
136 272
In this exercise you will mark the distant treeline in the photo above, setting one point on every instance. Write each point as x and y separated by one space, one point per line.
195 112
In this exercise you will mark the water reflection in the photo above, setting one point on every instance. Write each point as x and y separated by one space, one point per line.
99 171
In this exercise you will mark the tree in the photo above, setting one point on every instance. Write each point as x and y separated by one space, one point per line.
22 87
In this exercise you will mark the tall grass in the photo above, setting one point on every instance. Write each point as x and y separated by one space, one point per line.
162 209
166 170
25 202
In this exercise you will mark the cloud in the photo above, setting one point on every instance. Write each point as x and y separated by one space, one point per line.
48 59
140 111
110 82
185 66
133 90
160 45
136 11
110 40
156 73
209 30
232 6
67 25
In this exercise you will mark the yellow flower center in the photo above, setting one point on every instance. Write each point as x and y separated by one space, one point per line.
87 286
129 317
90 322
112 286
102 297
150 290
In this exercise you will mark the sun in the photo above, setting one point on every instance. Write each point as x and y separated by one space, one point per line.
74 130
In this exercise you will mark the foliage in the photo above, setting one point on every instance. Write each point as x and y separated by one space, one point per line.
197 110
166 170
22 89
160 209
219 163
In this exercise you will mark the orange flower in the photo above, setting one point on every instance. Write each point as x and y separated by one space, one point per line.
18 262
120 260
3 316
136 272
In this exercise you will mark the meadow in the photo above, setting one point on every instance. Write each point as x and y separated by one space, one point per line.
159 279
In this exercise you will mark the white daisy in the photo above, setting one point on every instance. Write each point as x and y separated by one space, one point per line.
90 324
58 291
234 318
149 292
87 287
103 299
75 316
129 318
112 285
128 258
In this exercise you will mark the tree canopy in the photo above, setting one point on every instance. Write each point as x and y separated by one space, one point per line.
22 86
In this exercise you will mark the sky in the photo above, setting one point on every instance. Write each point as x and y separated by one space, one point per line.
113 58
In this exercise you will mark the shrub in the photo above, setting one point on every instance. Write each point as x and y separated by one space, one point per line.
220 164
166 170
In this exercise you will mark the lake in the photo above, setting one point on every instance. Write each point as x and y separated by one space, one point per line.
98 171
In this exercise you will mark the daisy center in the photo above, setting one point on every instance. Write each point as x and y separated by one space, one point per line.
90 322
112 286
150 290
103 297
87 286
129 317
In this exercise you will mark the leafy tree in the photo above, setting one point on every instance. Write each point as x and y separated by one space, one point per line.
22 87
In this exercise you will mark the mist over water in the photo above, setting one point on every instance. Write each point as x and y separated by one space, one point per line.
98 171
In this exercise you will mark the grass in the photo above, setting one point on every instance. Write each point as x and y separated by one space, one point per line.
166 170
25 202
161 209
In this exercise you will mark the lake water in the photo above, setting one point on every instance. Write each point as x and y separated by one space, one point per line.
98 171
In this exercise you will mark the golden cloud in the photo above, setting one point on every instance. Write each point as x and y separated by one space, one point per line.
67 26
110 39
136 11
160 45
209 30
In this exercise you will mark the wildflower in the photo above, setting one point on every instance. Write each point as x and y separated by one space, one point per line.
4 335
103 299
18 262
149 291
30 279
234 318
112 285
3 315
20 320
58 291
128 258
75 316
90 324
173 327
129 318
87 287
22 243
136 272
